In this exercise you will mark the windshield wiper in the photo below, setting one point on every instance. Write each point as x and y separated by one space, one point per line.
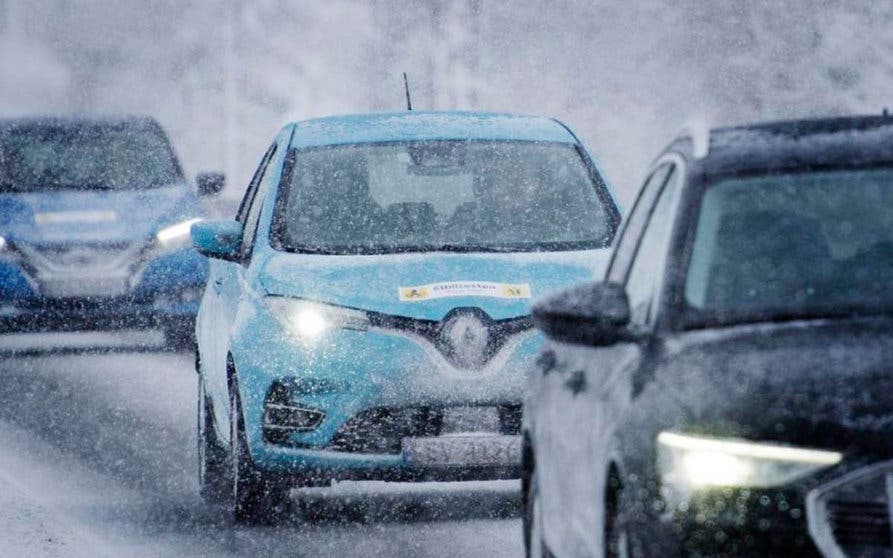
304 249
385 249
464 248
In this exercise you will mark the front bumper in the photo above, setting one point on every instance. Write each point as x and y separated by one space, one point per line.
840 513
377 382
165 293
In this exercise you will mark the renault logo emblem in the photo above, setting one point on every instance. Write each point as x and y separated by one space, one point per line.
466 339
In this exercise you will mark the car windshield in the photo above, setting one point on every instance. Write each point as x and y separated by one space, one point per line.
441 195
793 245
42 158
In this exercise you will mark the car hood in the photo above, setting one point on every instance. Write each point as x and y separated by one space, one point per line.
374 283
109 216
820 383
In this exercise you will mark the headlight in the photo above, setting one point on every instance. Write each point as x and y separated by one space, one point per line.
176 236
309 320
6 253
697 461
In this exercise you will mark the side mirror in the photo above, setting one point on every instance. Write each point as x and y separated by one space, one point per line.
210 183
217 239
588 314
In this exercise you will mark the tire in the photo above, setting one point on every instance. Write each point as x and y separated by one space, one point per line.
256 496
616 536
534 545
213 467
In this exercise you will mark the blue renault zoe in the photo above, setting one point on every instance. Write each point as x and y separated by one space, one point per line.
367 314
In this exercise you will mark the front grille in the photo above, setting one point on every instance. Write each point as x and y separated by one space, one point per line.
850 515
382 430
80 270
860 523
79 259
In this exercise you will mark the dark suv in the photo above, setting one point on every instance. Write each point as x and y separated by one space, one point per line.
727 389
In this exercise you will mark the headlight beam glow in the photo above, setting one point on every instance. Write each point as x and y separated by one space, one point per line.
177 233
310 323
308 320
771 452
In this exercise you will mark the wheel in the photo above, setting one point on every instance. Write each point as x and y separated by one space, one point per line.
212 455
533 521
256 496
616 536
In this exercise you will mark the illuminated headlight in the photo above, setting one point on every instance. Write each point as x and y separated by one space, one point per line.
309 320
176 236
699 462
6 252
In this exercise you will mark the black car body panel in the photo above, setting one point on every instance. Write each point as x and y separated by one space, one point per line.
798 383
821 381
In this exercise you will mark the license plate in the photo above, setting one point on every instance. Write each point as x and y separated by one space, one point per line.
463 450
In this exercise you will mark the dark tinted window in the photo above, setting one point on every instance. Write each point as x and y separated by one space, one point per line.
41 158
793 244
259 183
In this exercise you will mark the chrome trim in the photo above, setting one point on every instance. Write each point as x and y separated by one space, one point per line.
494 364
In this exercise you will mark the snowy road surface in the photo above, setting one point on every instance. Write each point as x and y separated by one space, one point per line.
97 459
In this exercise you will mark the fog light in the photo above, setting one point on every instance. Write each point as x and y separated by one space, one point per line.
8 311
291 418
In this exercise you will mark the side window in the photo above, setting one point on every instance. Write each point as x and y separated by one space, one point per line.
628 240
648 266
256 204
245 204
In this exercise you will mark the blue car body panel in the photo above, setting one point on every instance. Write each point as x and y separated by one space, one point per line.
378 368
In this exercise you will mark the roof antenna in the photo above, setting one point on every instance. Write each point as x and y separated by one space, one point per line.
406 86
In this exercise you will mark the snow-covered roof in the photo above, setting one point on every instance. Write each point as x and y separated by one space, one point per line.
853 141
78 121
415 125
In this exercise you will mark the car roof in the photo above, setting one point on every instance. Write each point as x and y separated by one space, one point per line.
78 121
821 143
416 125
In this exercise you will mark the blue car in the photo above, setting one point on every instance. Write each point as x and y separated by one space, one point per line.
367 315
94 227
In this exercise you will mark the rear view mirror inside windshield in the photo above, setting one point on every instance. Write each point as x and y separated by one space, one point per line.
437 158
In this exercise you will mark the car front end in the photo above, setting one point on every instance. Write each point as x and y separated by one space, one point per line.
774 441
391 383
100 261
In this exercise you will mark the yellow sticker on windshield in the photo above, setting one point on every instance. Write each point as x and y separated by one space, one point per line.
464 288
